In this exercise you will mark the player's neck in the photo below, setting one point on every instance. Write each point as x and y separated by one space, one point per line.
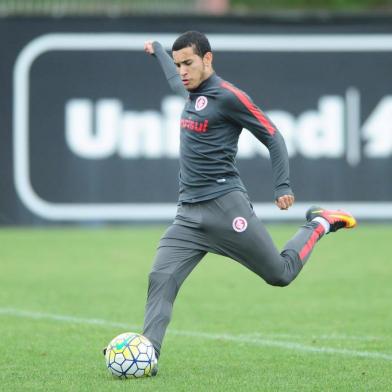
207 74
204 81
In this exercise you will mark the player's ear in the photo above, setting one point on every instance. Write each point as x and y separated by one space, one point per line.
207 59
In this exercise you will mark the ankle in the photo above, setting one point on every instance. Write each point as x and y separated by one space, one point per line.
323 222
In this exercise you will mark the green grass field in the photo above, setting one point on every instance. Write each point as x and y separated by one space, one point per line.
65 293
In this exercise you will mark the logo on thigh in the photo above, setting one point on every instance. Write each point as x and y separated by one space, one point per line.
240 224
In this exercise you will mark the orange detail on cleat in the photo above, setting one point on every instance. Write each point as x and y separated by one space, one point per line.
336 218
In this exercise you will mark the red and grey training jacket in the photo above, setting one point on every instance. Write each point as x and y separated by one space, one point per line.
213 118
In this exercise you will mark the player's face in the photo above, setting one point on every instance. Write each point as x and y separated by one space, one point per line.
192 68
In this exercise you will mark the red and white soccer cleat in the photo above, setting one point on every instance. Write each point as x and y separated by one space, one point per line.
336 218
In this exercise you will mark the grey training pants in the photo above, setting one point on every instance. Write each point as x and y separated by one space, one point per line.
226 226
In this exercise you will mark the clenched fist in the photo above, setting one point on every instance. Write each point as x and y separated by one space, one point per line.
148 47
285 202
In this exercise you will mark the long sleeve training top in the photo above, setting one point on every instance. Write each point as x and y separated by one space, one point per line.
212 120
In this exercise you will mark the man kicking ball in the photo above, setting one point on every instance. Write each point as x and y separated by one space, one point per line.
214 212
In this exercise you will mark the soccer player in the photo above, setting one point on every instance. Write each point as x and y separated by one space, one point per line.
214 212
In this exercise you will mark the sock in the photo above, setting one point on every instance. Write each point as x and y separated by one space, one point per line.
323 222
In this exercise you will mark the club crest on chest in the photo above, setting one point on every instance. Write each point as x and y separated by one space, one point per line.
201 103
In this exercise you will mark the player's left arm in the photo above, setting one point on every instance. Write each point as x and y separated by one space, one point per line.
241 109
155 49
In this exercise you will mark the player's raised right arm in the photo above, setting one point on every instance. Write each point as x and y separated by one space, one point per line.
173 78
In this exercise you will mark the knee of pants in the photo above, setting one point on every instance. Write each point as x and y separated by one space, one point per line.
163 285
281 280
287 272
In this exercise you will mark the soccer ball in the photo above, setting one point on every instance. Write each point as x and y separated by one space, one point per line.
130 355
